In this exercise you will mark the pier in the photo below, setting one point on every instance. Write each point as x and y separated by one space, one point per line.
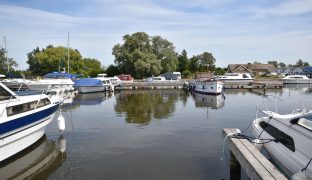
245 155
151 85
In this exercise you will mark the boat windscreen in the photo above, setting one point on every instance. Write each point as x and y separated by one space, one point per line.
4 94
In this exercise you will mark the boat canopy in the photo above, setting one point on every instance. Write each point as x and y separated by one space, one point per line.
59 75
88 82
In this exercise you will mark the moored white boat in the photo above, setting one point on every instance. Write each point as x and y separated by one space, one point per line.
206 87
23 120
287 139
235 77
296 79
91 85
52 80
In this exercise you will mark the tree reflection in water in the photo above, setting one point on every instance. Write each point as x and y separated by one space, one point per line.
141 106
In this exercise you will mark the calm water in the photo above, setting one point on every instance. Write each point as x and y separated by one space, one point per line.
163 134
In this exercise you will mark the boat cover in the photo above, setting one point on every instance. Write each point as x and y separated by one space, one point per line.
59 75
88 82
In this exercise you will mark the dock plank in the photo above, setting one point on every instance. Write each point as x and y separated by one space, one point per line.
255 164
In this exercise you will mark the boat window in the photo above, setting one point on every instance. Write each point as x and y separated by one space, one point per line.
280 136
4 94
245 76
17 109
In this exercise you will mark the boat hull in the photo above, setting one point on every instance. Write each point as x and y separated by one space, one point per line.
290 162
209 87
90 89
20 133
297 81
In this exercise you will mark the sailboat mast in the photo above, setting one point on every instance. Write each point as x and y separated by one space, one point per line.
5 53
68 53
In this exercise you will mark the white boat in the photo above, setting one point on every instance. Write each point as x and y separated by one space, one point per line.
91 85
51 80
232 77
296 79
156 79
206 87
287 138
115 80
23 120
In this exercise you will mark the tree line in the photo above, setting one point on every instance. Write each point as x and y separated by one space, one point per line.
139 55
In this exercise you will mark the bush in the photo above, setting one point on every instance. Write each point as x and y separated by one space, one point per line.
186 74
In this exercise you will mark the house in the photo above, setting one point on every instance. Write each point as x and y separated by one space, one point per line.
308 71
254 69
297 71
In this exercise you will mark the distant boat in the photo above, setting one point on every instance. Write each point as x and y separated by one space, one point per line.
156 79
206 86
125 78
91 85
296 79
54 79
232 77
23 120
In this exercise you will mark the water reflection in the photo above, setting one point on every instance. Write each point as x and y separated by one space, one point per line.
141 106
91 98
204 100
38 161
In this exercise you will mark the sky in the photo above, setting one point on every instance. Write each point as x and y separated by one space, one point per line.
234 31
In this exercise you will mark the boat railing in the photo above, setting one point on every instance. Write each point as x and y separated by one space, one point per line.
6 106
263 106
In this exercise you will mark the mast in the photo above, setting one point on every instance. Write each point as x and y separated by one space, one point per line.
5 53
68 53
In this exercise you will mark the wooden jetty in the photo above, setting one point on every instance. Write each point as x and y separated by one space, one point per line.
254 85
245 155
151 85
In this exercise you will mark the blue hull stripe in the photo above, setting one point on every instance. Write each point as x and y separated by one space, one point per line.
26 120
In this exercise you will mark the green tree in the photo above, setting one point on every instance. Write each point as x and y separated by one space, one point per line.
275 63
135 56
194 64
306 64
282 65
52 59
91 67
165 51
220 71
112 70
299 63
207 61
183 61
6 64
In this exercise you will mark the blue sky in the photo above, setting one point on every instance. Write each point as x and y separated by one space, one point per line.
234 31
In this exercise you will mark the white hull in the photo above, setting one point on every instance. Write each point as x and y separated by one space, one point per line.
297 81
44 87
90 89
208 87
290 162
22 139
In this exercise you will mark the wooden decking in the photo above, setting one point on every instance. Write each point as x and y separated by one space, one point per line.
255 164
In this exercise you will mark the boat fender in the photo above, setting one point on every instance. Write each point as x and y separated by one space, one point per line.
61 144
258 144
61 123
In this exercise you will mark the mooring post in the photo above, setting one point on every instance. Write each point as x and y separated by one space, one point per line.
235 168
